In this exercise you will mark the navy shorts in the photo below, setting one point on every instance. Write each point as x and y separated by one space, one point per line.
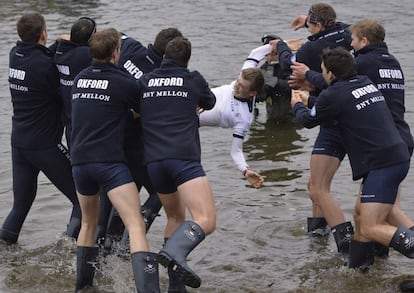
89 178
381 185
329 142
167 175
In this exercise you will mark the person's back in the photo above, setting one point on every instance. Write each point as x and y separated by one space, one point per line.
33 78
170 97
374 60
36 126
70 58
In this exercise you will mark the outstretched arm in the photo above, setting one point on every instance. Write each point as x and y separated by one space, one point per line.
257 55
254 178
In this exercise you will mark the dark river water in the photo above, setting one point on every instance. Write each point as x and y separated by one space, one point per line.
260 244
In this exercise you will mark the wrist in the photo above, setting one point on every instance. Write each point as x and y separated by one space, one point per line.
245 171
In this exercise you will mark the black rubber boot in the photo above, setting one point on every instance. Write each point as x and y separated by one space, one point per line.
145 268
100 235
114 230
187 236
403 241
361 255
343 234
8 236
85 267
175 285
150 210
407 286
318 227
73 228
380 250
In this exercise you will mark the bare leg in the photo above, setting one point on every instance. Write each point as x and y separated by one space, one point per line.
90 214
125 199
174 210
201 207
373 226
323 169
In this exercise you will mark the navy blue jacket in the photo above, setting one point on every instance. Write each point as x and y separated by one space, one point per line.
37 104
70 59
310 52
169 98
136 60
364 120
385 72
102 95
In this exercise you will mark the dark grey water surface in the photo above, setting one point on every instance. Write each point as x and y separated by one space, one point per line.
260 244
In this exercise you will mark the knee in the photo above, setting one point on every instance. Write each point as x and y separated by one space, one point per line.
315 192
208 224
366 231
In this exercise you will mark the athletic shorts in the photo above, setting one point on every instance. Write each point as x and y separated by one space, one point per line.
329 142
89 178
381 185
167 175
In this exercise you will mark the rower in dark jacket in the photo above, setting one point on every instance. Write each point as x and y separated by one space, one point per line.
36 126
170 99
367 128
70 58
102 96
137 59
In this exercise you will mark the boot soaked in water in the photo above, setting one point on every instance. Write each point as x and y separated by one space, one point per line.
318 227
381 251
361 255
145 268
8 236
175 285
407 286
150 210
403 241
187 236
85 267
73 228
114 231
343 234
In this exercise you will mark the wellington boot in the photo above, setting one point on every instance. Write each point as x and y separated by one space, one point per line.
187 236
8 236
73 228
318 227
85 266
403 241
361 255
407 286
343 234
175 285
150 210
145 268
380 250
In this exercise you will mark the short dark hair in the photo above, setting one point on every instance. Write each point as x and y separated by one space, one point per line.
102 44
370 29
322 13
340 62
164 36
30 27
82 30
178 49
